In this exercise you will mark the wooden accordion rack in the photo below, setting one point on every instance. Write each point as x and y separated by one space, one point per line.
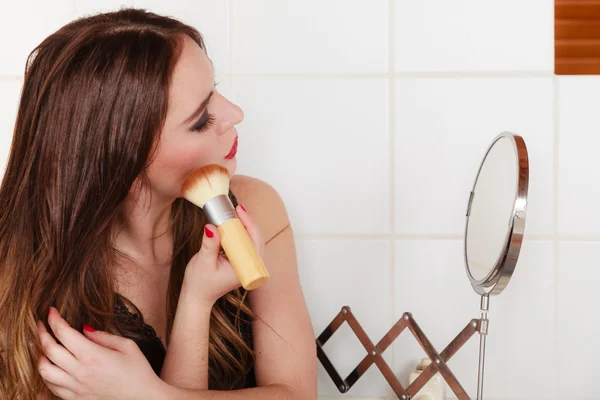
374 354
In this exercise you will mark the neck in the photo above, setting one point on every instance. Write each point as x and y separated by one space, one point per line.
143 232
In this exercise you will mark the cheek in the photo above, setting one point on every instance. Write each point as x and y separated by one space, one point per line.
174 162
183 159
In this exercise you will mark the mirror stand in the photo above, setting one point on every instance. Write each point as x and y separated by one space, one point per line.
483 330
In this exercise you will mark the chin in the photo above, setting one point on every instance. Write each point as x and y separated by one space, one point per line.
231 166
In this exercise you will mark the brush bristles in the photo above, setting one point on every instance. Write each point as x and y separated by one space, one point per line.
205 183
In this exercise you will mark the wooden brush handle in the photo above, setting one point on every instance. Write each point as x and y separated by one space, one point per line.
242 254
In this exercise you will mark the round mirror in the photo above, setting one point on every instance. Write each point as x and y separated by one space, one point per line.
496 214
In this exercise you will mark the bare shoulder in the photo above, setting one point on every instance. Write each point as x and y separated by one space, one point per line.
263 203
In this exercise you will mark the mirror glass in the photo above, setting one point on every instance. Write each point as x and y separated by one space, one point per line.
492 207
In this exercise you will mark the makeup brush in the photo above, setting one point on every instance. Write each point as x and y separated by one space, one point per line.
208 188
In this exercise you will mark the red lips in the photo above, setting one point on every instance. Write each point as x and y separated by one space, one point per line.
233 150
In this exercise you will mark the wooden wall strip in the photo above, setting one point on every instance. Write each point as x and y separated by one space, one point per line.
577 37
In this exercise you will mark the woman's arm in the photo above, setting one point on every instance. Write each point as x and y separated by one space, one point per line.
284 341
283 378
186 361
285 359
208 276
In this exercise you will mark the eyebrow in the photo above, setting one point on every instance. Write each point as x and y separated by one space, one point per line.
198 110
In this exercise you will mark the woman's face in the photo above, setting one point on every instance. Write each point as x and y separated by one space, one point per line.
199 128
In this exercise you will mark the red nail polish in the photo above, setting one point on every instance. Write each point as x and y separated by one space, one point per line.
88 328
49 309
208 232
243 208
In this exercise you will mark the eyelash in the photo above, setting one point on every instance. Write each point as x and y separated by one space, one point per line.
206 125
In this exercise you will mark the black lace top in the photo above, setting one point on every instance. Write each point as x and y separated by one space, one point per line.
154 349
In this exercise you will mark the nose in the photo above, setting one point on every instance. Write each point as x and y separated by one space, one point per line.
233 115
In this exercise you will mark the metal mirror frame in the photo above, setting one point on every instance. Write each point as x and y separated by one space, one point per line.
499 276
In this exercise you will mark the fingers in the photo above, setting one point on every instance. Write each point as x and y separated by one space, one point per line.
252 228
61 392
53 375
211 243
210 256
226 275
55 352
108 340
70 338
209 251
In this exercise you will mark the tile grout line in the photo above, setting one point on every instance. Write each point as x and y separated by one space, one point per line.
385 75
391 106
556 105
473 74
429 237
398 75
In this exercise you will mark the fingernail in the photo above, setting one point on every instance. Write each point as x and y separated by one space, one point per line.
49 309
243 208
88 328
208 232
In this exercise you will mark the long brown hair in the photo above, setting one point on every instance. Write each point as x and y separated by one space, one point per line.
93 103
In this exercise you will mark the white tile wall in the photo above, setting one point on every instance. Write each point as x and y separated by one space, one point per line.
450 122
579 328
579 125
10 92
521 345
25 24
370 118
330 143
310 36
474 35
431 283
337 273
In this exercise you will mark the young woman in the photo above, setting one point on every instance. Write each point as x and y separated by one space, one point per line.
111 284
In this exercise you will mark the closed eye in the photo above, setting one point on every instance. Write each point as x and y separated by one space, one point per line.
204 123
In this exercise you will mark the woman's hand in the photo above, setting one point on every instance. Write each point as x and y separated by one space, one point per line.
93 365
209 275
